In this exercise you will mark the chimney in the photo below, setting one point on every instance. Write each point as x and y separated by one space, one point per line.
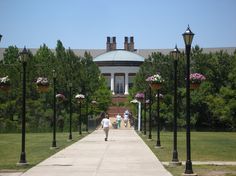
108 44
113 44
131 44
126 44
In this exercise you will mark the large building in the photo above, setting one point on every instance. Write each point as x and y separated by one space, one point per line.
119 67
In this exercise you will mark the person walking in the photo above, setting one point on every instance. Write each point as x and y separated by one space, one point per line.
118 120
106 123
126 119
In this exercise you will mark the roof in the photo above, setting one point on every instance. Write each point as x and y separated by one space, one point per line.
141 52
119 55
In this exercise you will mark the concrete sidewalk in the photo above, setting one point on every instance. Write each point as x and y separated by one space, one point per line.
124 154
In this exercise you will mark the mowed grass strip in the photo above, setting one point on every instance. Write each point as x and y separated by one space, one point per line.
37 148
205 146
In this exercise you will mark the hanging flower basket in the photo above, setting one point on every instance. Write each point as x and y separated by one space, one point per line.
60 97
155 81
42 84
79 97
140 96
194 85
5 84
94 103
161 97
195 80
155 86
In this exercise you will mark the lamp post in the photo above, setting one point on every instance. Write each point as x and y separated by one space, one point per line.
150 114
158 144
175 161
188 38
86 116
70 99
54 143
144 117
0 37
23 57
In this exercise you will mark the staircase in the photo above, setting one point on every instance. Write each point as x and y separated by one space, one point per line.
115 108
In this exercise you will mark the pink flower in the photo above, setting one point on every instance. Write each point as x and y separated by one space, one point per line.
139 95
155 79
196 78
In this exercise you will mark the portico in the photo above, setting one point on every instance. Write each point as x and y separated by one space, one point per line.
119 68
119 79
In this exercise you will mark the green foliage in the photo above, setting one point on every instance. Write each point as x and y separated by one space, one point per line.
212 105
82 72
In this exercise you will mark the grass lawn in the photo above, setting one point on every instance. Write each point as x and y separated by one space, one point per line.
205 146
37 148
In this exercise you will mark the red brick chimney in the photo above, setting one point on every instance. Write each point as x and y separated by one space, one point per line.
131 44
108 44
113 44
126 44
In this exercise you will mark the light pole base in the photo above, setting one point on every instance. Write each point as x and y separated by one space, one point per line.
22 164
158 147
69 140
175 163
54 148
193 174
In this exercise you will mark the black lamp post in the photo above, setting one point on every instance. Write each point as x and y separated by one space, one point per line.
0 37
144 117
23 57
70 99
158 144
188 38
175 161
54 143
80 120
86 114
150 113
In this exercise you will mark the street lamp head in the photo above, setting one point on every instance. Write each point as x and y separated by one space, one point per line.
188 36
24 54
0 37
175 53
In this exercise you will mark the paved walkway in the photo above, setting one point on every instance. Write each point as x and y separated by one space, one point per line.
124 154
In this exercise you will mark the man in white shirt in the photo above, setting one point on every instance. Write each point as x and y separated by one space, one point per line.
106 124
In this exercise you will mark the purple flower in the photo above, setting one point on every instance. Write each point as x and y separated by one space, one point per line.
196 78
139 95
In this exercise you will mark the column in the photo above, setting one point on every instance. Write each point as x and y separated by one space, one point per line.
112 83
126 83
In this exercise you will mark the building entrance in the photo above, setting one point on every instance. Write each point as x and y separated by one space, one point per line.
119 84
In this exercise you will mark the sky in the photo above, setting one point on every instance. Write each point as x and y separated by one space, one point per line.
85 24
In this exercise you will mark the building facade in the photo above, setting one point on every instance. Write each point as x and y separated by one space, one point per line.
119 66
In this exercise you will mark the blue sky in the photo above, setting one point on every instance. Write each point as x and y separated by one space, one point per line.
85 24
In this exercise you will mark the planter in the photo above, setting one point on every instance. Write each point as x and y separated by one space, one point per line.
155 86
194 85
80 98
5 88
140 99
60 98
42 88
